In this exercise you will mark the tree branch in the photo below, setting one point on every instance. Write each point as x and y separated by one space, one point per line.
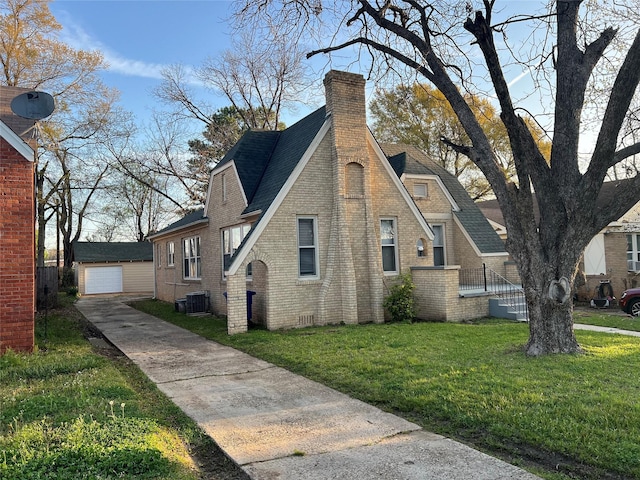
624 153
622 94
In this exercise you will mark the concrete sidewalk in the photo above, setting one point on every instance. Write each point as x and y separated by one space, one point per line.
277 425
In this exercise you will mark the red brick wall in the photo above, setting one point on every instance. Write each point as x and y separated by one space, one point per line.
17 241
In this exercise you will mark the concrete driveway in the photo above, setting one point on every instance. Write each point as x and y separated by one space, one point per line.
278 425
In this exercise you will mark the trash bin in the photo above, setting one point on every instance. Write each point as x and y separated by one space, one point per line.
250 294
181 305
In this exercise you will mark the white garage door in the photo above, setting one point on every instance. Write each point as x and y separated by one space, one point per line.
103 279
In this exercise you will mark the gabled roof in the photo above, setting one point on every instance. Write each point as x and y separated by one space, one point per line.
194 218
409 160
88 252
264 160
16 142
21 126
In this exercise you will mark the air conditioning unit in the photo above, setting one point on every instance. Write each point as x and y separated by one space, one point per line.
633 266
197 302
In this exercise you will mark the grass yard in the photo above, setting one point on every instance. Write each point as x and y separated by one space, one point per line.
560 416
614 318
67 412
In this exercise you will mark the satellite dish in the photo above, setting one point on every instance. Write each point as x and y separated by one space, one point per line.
33 105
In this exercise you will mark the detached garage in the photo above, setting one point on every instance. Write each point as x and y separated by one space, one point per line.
113 267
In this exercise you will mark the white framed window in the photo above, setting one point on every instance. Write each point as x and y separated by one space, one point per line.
420 190
633 252
158 255
231 239
438 245
388 240
307 247
171 254
192 268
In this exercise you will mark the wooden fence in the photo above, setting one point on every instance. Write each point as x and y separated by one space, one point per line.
46 287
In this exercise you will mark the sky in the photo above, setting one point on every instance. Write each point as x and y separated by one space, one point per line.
138 38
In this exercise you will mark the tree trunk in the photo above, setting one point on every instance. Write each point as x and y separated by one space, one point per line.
551 327
548 280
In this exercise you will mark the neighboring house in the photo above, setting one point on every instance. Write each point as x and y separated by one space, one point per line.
17 227
113 267
311 225
612 255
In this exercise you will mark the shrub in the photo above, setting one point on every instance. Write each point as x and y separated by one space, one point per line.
399 303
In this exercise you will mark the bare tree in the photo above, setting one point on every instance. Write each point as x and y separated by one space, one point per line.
31 56
454 44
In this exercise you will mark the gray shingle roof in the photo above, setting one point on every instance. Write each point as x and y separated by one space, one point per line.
21 126
411 160
192 218
112 251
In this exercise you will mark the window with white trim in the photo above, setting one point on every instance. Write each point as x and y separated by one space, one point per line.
192 268
438 245
633 252
388 240
307 247
158 255
231 239
171 254
420 190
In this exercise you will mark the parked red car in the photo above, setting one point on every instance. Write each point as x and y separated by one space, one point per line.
630 301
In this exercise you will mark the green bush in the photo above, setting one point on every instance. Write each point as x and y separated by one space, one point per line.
399 303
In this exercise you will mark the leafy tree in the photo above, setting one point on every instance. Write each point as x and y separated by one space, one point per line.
584 71
420 115
67 171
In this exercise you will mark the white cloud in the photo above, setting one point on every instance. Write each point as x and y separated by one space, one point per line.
75 36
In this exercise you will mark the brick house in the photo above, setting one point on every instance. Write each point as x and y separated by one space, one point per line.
17 228
316 220
612 255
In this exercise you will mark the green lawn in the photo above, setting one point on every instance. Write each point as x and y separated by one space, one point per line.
577 415
68 413
614 318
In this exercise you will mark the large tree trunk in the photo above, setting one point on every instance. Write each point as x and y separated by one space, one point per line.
550 323
548 272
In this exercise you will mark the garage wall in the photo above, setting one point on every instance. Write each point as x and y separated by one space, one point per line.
137 277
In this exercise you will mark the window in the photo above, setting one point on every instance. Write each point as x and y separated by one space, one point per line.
249 271
171 254
388 241
420 247
224 188
420 190
191 258
633 252
158 255
307 247
231 239
438 245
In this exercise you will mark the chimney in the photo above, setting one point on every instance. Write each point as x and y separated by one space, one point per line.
347 107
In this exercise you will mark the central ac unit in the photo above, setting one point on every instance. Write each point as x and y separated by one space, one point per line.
197 302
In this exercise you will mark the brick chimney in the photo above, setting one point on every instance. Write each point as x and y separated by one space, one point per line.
347 106
351 274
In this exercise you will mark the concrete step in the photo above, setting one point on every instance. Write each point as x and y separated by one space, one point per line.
499 309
